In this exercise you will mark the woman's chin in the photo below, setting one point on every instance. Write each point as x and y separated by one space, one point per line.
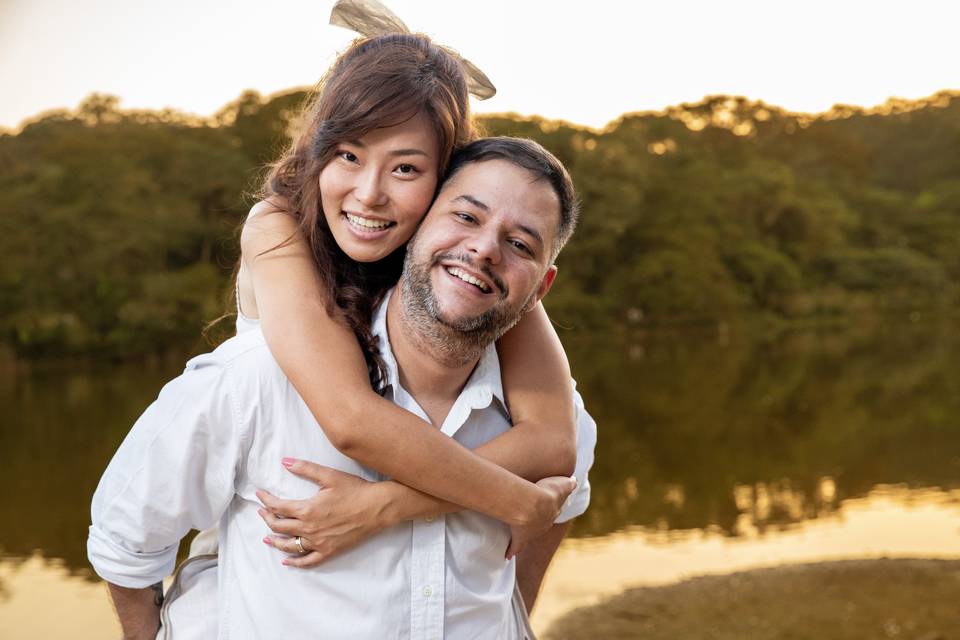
369 247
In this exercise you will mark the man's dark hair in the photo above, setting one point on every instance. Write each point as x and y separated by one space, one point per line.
542 164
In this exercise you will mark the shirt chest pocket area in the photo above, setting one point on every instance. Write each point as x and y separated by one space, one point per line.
266 471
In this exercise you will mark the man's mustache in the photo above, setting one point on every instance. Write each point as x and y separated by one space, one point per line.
466 260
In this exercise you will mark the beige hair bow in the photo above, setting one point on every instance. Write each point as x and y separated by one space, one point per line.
370 18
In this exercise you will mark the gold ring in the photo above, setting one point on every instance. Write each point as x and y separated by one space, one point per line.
299 542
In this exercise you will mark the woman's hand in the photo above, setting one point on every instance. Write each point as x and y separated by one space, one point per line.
344 512
555 491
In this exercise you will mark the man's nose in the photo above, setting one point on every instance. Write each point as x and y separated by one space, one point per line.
369 188
484 245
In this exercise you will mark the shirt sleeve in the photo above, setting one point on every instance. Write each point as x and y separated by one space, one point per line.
578 501
173 472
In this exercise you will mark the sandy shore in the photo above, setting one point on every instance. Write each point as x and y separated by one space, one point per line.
844 600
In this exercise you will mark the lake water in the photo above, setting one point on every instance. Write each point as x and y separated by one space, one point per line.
718 451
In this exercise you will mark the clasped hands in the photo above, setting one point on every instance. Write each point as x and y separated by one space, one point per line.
347 509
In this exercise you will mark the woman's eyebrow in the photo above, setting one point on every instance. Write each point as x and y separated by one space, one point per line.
409 152
412 151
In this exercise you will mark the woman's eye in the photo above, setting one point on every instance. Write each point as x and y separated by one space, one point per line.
465 217
348 156
406 169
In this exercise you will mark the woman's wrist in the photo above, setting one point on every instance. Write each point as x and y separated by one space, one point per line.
531 504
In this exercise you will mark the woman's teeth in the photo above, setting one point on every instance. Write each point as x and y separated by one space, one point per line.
466 277
366 223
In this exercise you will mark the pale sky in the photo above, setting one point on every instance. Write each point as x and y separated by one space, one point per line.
585 62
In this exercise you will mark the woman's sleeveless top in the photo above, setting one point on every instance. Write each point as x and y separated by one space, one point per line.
243 322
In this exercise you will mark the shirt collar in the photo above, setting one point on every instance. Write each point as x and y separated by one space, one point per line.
484 383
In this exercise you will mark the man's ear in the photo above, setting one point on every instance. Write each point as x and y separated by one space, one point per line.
544 287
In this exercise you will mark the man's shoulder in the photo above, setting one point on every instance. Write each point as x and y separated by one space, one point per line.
247 353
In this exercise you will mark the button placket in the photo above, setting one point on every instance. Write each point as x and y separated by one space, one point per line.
428 575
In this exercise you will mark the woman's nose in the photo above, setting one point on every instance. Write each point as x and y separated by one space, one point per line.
369 189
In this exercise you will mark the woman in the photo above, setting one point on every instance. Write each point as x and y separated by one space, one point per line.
327 241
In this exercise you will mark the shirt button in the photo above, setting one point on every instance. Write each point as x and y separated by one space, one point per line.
428 591
429 519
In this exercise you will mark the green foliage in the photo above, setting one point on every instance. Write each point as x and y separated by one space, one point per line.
98 211
768 276
118 227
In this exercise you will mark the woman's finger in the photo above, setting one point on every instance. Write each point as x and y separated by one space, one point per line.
279 506
286 526
285 544
296 559
311 559
316 473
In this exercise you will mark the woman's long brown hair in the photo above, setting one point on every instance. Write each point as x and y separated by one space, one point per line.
378 82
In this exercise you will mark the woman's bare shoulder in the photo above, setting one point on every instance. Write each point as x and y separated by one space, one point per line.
268 224
265 212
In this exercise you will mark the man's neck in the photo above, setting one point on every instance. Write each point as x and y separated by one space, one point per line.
429 370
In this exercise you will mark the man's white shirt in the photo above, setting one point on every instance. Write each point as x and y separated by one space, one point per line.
217 433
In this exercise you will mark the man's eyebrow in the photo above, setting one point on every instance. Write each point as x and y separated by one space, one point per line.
533 233
396 152
472 201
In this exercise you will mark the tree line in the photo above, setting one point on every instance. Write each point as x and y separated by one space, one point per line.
119 228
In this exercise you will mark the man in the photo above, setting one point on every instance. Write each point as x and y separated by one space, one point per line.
482 257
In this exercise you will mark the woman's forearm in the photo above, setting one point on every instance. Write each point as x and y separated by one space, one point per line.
537 384
398 444
519 451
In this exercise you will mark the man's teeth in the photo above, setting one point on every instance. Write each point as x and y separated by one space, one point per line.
466 277
366 223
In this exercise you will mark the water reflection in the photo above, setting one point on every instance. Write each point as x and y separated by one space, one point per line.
699 431
59 431
713 431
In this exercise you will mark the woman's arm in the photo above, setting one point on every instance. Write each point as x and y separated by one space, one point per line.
321 358
348 509
536 382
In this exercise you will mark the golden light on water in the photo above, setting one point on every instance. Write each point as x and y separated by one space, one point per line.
889 522
33 588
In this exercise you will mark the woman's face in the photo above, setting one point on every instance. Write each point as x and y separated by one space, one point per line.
375 190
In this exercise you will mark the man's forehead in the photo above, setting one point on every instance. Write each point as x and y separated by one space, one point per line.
485 182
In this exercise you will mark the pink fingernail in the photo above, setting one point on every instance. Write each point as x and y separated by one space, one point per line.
266 541
288 462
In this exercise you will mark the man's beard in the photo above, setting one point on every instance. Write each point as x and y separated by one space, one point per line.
457 339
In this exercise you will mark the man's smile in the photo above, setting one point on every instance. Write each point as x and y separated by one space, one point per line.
458 272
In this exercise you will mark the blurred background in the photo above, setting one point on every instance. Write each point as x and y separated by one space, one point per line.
760 304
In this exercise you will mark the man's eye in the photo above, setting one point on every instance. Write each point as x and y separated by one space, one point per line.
522 247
